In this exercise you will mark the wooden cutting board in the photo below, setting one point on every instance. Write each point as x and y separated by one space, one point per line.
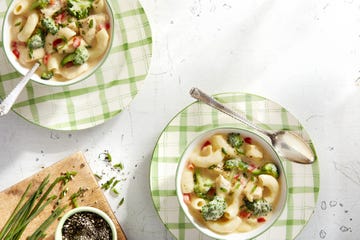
84 178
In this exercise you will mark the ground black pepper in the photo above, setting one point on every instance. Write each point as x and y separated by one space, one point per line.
86 226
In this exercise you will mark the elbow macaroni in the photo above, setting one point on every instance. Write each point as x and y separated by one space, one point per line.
102 39
210 158
98 6
21 7
29 27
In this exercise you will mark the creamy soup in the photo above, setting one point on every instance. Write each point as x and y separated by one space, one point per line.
230 184
68 37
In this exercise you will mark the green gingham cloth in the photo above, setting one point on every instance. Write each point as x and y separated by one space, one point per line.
303 180
105 93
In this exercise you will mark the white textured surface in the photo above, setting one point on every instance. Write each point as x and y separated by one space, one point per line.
303 54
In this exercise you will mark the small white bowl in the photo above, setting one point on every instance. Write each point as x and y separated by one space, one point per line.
23 70
58 233
282 179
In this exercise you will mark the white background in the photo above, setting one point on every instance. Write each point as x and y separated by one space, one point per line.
303 54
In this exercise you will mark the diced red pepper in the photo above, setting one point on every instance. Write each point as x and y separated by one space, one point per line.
207 143
190 166
69 64
248 140
211 192
46 58
107 26
100 26
16 53
236 177
76 42
261 220
186 197
13 44
245 214
251 167
60 18
243 181
57 42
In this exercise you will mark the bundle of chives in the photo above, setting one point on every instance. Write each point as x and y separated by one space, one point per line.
25 212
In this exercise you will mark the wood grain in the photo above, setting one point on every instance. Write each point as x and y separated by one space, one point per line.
84 178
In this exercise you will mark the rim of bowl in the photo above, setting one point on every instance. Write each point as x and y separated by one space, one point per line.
54 83
178 181
58 232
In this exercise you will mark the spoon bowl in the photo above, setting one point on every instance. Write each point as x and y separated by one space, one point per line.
287 144
292 147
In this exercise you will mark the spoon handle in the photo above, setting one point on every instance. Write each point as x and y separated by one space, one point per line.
203 97
9 101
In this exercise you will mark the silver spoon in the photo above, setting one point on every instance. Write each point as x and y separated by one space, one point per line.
9 101
287 144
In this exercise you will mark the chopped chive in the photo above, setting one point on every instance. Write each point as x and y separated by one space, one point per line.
115 183
121 202
119 166
105 156
75 196
115 191
107 184
98 176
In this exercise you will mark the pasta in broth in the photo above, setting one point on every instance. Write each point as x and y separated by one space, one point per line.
68 37
230 184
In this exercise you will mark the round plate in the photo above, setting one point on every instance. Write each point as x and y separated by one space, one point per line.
303 180
104 94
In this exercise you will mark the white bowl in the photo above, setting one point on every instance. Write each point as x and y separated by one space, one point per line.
276 212
23 70
58 233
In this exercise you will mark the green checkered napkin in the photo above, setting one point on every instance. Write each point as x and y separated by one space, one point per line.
100 97
303 180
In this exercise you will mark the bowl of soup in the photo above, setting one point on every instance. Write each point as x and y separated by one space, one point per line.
69 39
231 184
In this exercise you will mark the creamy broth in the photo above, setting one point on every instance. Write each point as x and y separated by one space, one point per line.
65 43
236 173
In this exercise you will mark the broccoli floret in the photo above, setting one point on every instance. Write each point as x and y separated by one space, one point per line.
40 4
214 209
235 164
47 75
236 141
49 25
202 185
80 56
79 8
268 168
36 41
258 207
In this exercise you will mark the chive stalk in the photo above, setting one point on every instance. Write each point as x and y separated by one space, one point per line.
25 212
